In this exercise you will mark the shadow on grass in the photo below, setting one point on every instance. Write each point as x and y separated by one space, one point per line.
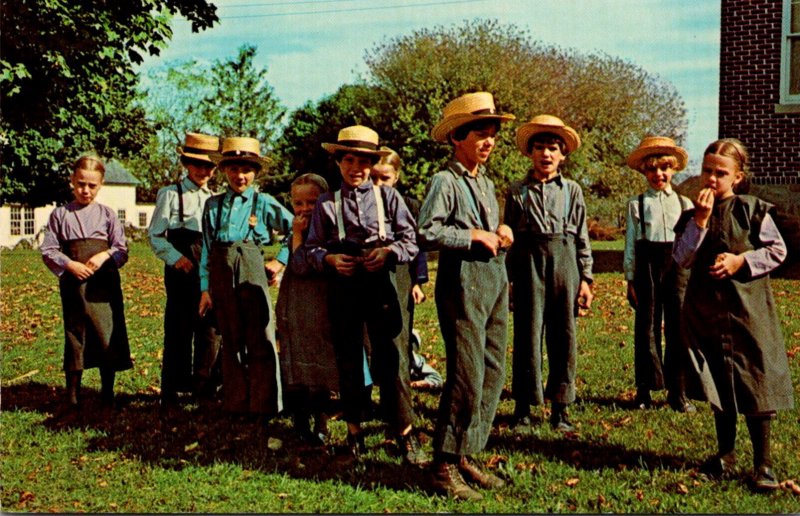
202 435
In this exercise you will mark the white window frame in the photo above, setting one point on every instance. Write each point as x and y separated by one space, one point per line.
28 221
142 219
122 215
16 220
787 98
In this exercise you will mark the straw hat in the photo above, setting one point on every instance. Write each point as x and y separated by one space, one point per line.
240 148
547 124
465 109
199 146
654 145
358 139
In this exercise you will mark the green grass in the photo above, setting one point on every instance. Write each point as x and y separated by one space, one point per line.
620 460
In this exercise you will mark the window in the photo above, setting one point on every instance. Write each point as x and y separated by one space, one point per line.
790 65
121 216
22 221
142 219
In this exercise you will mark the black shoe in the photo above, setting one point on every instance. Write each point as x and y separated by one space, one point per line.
681 404
356 446
521 418
643 400
447 480
412 451
719 466
559 421
764 479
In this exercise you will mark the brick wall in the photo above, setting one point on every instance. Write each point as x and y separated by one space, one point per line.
750 69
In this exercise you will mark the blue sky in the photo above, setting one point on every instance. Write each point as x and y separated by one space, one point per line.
311 47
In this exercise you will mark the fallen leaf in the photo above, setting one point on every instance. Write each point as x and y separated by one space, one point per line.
495 461
572 482
190 447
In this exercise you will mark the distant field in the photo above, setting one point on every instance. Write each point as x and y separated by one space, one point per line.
619 460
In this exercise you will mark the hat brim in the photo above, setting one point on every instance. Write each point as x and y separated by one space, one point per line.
527 131
192 155
637 156
442 130
260 162
332 148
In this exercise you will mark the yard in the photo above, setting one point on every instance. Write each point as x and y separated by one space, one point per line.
619 460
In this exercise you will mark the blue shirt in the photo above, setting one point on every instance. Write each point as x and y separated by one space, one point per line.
166 216
360 215
235 224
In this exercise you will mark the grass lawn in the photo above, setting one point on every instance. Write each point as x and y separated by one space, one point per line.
619 460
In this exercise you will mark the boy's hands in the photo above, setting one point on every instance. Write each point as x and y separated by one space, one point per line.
343 263
702 207
726 265
506 236
418 295
632 296
376 259
490 241
205 303
273 267
585 298
184 265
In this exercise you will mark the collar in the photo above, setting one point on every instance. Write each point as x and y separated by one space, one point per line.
457 168
655 193
530 180
246 195
361 189
191 186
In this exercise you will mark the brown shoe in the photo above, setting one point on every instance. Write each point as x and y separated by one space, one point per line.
473 473
446 480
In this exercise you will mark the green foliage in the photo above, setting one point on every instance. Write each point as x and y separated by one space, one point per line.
67 81
620 460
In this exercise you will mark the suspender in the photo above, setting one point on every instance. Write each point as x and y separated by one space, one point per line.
684 207
180 203
471 197
338 207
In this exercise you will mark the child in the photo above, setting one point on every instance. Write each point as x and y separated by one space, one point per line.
460 219
549 268
358 235
233 278
86 240
176 237
655 284
308 365
409 286
729 317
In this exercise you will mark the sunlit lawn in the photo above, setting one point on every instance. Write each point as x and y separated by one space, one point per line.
619 460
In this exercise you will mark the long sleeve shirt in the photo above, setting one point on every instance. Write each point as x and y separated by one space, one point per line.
76 222
662 209
360 217
456 204
234 224
166 216
760 261
552 207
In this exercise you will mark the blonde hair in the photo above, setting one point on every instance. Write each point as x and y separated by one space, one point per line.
311 179
656 160
392 159
90 164
734 149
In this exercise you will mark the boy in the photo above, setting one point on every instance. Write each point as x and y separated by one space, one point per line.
176 237
359 234
549 268
655 283
233 277
460 219
409 285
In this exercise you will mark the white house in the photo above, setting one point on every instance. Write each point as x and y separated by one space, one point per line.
20 222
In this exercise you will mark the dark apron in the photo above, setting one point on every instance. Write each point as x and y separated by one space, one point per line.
732 325
182 323
546 283
240 295
95 334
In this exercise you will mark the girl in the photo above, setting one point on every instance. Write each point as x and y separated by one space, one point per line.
308 364
86 240
732 329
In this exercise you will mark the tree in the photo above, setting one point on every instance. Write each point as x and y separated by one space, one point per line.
67 82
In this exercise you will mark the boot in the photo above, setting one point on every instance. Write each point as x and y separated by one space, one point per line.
107 378
411 450
559 420
446 480
470 470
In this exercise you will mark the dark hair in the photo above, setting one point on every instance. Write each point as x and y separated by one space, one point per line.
90 163
311 179
547 138
340 154
186 160
460 133
241 162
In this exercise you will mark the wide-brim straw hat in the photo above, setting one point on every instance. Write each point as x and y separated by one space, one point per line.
199 146
657 145
547 124
465 109
240 148
358 139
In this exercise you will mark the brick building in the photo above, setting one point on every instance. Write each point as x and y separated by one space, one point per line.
759 97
